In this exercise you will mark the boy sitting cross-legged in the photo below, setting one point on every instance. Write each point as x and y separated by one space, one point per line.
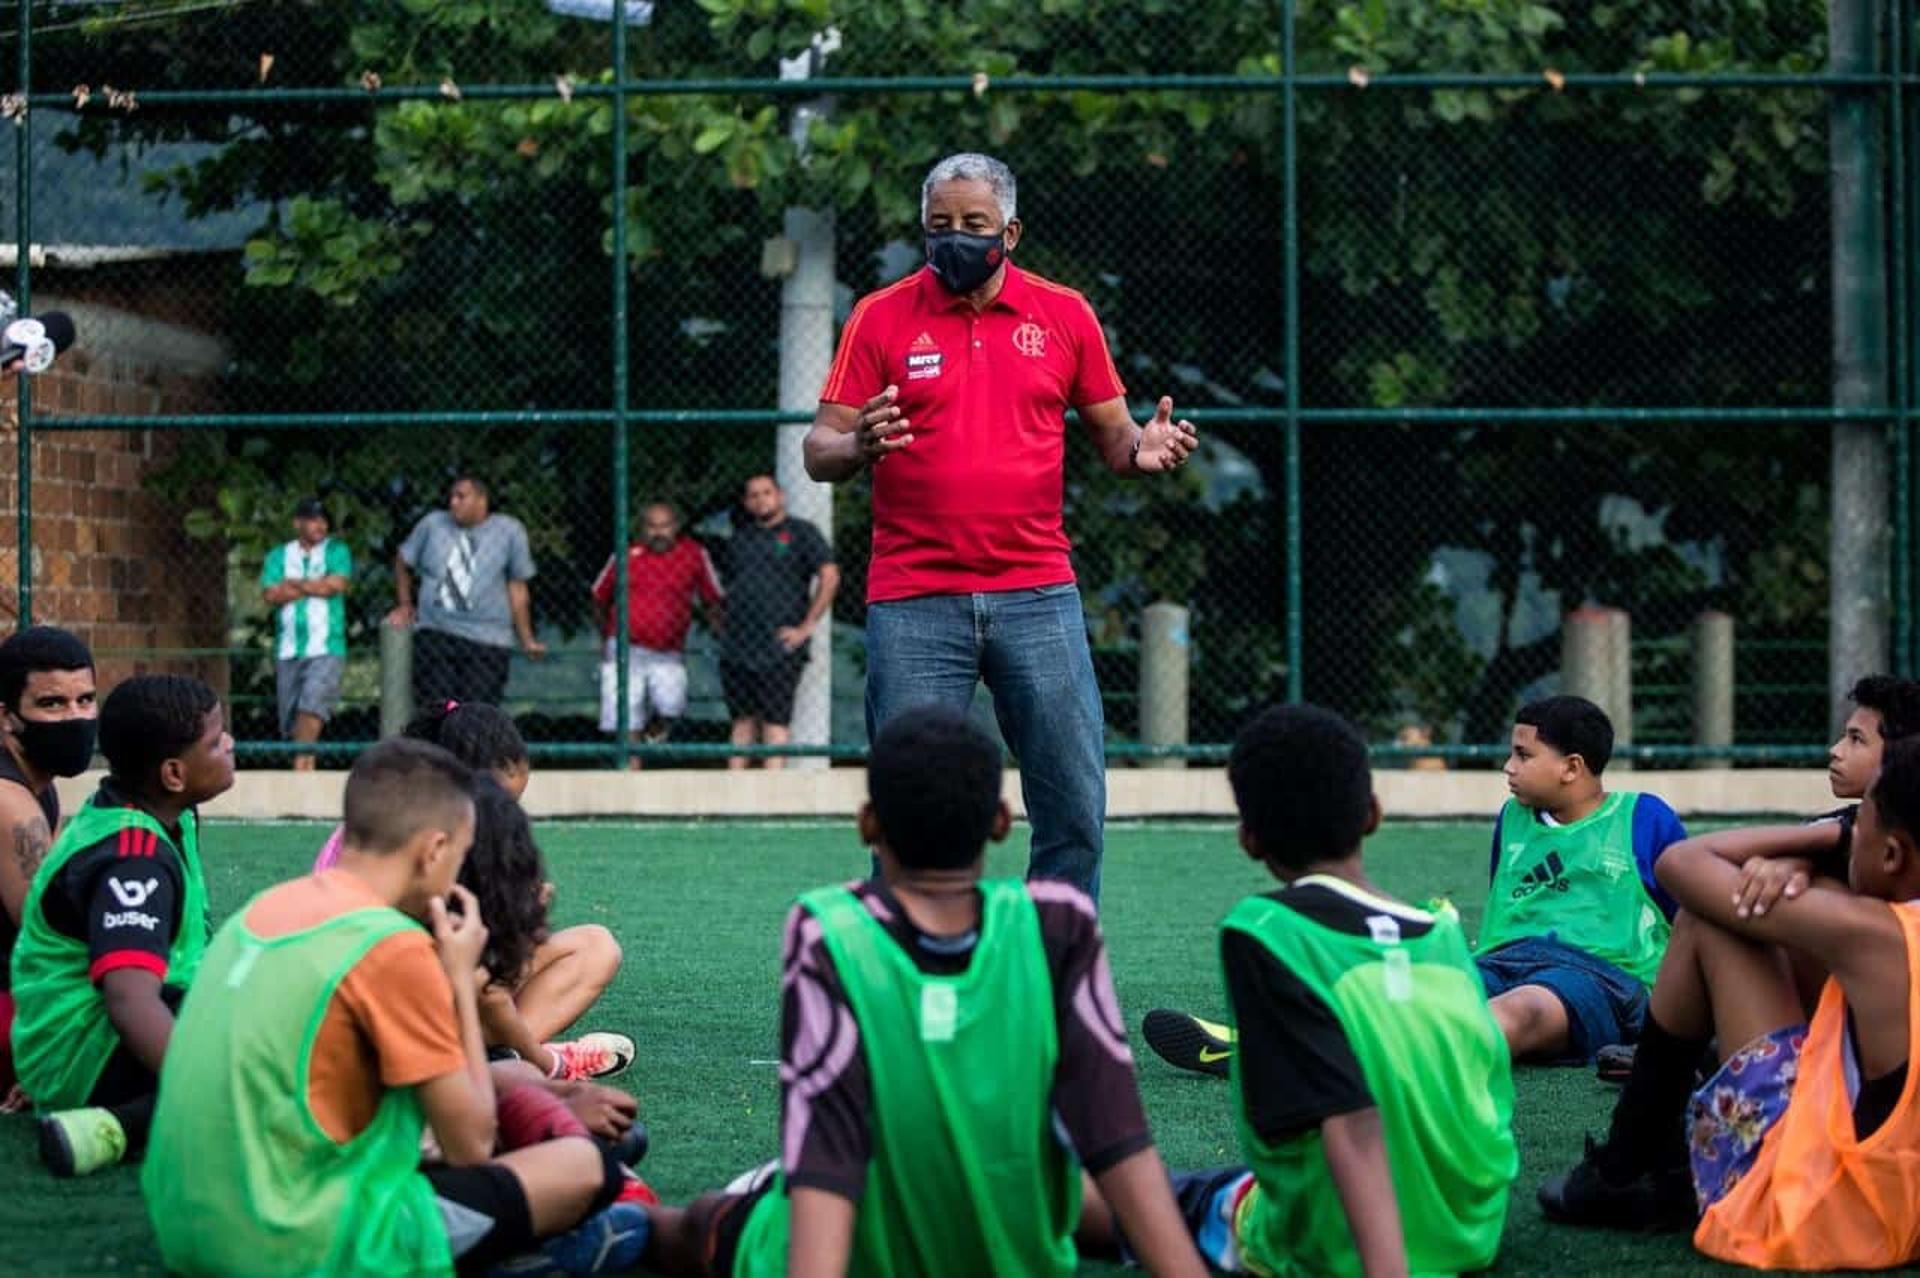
1374 1092
114 925
328 1030
1801 1147
941 1034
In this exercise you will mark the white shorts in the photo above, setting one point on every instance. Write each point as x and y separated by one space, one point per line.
656 687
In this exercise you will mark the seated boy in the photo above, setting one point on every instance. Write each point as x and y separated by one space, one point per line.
1638 1177
328 1028
47 721
1885 708
1375 1094
1575 921
1801 1147
940 1032
115 924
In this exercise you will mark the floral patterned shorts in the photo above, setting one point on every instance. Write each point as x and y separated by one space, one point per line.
1729 1116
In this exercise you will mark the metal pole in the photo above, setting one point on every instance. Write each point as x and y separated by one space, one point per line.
1289 163
1712 683
23 232
623 727
1858 551
806 352
1902 434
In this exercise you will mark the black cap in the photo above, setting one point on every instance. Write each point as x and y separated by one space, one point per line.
310 508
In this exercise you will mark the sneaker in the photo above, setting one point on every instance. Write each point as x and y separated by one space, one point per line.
1656 1201
1187 1042
592 1056
1613 1064
79 1142
606 1242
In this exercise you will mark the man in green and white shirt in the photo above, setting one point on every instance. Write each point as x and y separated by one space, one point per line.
306 583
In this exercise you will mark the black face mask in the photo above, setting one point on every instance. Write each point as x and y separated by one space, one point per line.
63 747
964 262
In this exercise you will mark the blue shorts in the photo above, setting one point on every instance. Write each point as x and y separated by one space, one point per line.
1605 1005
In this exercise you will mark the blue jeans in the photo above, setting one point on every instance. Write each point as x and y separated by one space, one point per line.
1031 648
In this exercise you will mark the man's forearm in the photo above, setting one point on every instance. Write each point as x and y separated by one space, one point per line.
1118 450
832 456
1768 841
822 596
402 583
520 602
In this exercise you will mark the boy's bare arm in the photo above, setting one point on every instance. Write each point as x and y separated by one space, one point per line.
1137 1190
1737 847
460 1106
1857 938
1357 1157
820 1233
138 1015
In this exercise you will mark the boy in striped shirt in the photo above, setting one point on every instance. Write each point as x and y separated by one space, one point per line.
306 582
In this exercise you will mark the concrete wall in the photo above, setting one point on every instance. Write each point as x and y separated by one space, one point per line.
1132 793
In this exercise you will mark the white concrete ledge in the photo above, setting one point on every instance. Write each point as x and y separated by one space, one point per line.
1131 793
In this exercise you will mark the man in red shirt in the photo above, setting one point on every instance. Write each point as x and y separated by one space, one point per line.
666 573
952 385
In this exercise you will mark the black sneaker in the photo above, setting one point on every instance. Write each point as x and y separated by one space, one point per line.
1657 1201
1614 1064
1187 1042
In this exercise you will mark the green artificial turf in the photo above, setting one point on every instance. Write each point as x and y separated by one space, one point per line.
698 909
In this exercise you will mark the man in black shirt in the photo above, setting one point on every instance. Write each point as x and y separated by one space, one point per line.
780 579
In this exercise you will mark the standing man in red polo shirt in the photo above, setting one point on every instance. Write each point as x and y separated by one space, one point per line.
666 574
953 385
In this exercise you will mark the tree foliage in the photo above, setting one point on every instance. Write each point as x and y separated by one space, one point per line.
1460 247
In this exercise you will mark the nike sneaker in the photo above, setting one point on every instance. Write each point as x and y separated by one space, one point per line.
1187 1042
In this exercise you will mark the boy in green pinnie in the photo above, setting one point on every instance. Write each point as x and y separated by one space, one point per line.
952 1057
115 924
1576 923
1374 1092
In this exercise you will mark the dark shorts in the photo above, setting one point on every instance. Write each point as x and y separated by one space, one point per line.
1605 1005
762 693
449 668
485 1213
719 1220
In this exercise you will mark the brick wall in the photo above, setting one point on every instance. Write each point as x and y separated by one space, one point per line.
110 560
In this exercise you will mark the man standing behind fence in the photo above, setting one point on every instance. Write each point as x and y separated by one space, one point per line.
953 384
666 575
306 582
773 606
474 567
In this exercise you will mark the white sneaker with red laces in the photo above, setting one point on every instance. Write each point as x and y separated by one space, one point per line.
591 1056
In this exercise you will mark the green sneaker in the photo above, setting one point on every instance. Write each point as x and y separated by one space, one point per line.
79 1142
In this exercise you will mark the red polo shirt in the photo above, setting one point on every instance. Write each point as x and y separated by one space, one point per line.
973 503
661 589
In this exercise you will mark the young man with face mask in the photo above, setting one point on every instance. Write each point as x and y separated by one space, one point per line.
48 712
953 385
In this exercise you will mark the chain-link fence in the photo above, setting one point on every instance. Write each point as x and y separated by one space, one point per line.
1486 313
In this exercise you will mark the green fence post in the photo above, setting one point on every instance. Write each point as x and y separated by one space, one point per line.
1289 163
23 235
622 714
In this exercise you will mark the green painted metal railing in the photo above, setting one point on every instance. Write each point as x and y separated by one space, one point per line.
1899 415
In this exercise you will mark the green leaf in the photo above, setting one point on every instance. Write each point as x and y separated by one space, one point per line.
712 138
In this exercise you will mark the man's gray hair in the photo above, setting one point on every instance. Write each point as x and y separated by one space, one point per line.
971 166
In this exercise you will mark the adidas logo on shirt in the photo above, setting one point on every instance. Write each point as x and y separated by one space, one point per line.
1550 874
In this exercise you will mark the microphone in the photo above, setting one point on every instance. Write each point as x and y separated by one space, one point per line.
36 340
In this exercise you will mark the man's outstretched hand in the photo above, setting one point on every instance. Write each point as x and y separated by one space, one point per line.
1165 444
